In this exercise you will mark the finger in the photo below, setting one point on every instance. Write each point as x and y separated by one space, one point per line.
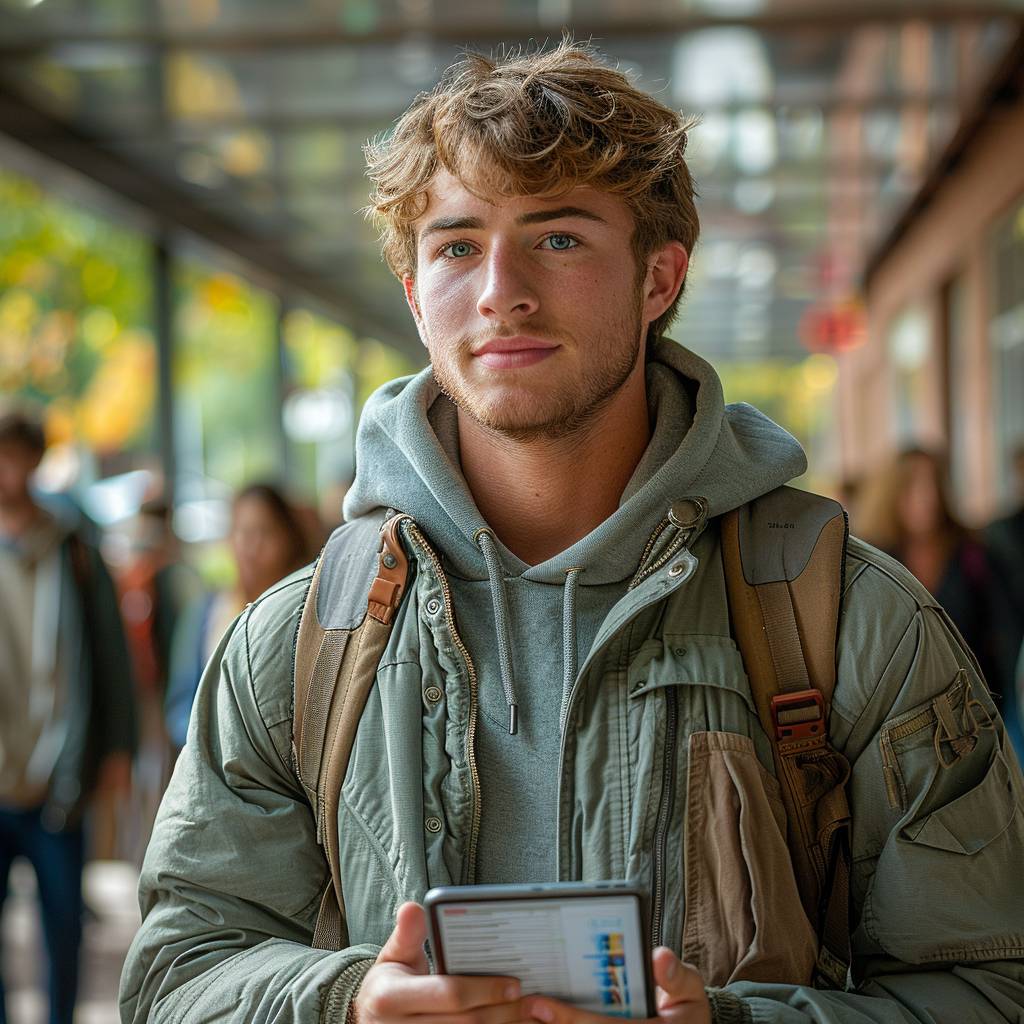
446 994
405 944
506 1013
678 982
552 1011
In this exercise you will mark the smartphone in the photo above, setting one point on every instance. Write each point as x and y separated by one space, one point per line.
581 942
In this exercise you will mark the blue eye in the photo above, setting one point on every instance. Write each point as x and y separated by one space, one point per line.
561 242
457 249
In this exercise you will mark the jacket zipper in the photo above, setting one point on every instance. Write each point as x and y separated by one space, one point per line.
474 832
668 793
691 568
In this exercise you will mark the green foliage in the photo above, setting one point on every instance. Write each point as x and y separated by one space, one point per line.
74 319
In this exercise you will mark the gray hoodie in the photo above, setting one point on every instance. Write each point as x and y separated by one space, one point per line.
529 628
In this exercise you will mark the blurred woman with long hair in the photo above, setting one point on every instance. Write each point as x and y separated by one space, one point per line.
268 542
907 513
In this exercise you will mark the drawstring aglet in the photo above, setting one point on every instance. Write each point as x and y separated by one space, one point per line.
513 719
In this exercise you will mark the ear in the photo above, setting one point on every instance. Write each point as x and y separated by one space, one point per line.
409 284
666 271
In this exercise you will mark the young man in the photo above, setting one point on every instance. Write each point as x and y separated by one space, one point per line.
557 640
67 724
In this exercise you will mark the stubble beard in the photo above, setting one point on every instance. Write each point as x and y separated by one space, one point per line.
547 416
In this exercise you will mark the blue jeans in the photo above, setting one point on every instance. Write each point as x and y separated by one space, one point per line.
57 859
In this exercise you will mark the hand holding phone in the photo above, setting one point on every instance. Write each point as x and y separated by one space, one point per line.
580 943
399 986
679 994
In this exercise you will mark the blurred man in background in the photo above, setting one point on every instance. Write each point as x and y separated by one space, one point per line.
67 721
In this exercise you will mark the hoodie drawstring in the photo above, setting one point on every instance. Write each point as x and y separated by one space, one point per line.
499 599
570 658
496 579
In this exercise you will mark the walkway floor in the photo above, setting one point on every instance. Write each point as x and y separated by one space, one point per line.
110 893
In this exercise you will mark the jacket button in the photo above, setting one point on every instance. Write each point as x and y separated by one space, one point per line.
433 606
433 694
678 651
677 570
433 825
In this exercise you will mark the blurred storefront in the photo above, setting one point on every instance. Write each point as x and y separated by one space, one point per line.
943 361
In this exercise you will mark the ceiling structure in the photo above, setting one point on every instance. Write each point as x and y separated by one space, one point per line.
241 122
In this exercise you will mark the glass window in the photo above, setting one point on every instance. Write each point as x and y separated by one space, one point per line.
319 410
75 330
225 382
957 393
909 345
1007 254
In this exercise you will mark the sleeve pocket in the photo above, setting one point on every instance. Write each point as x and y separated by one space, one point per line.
947 885
970 822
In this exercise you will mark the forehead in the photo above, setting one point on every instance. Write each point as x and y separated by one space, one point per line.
448 196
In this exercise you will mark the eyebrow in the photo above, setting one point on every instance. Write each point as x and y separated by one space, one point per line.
540 216
451 224
537 217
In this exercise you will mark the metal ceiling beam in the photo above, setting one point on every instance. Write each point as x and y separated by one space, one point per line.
285 124
238 39
174 209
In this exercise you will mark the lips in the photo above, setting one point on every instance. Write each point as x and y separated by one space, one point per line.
514 353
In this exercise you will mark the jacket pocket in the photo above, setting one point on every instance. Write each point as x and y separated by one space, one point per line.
714 693
743 919
946 887
940 733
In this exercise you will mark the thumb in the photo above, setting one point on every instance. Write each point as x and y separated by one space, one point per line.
405 944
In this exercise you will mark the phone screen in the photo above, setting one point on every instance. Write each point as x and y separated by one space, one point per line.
586 951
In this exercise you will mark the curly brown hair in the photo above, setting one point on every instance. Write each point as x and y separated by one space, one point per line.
536 123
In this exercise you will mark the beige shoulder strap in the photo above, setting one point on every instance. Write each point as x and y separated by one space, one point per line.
335 669
784 558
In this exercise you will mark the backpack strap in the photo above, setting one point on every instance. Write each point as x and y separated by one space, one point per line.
345 625
784 557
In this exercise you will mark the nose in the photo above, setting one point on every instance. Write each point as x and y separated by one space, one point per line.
508 288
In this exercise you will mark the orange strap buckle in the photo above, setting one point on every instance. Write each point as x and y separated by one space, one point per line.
799 716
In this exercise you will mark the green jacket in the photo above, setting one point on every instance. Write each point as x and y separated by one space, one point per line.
653 765
233 877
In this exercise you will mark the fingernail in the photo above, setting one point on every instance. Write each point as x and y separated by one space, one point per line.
542 1012
673 969
512 991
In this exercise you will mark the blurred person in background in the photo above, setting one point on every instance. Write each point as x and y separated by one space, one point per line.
268 542
67 716
155 586
907 513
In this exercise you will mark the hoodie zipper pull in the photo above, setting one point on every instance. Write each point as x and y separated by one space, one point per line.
689 514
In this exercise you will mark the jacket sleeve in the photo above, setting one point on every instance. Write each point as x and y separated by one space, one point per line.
233 876
937 803
114 689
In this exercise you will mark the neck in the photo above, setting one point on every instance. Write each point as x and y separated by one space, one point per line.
17 516
541 496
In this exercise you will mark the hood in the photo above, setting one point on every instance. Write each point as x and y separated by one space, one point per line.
407 459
